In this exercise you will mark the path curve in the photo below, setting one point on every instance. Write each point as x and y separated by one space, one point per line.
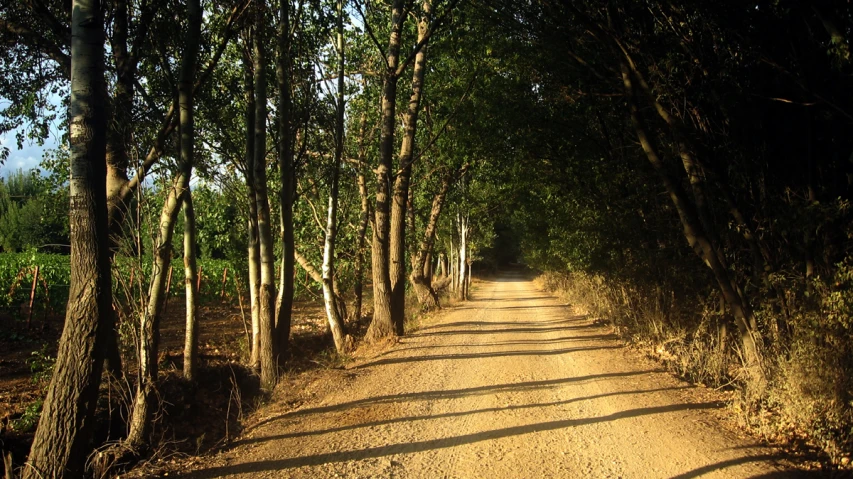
508 385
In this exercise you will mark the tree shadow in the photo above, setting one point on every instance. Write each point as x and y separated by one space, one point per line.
550 322
441 443
509 298
502 331
406 419
451 393
719 466
497 354
520 342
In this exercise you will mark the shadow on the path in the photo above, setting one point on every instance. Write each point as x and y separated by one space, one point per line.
385 422
456 332
520 342
574 322
452 393
722 465
432 444
496 354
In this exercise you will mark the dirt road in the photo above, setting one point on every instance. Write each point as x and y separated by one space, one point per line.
507 385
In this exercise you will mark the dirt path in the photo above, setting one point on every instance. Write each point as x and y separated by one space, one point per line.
507 385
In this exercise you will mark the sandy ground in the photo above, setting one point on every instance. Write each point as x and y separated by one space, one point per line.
510 384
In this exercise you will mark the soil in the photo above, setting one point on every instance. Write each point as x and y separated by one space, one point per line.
200 416
509 384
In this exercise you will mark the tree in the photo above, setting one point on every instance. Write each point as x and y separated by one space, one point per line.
144 400
336 322
266 287
61 443
403 177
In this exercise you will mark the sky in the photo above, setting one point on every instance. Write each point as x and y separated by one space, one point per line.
27 158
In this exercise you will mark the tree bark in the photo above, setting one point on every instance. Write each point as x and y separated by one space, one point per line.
284 311
143 405
191 288
266 289
462 222
421 280
364 219
139 424
62 440
120 133
401 184
252 221
382 324
335 321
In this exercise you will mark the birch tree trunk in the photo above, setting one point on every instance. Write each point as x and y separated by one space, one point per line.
462 222
454 272
62 440
252 222
266 289
401 184
335 321
191 288
382 324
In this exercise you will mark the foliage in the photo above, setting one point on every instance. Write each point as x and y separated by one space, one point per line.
32 215
30 418
41 366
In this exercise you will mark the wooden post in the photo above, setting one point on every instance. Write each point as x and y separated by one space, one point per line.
242 313
32 297
224 281
168 288
198 282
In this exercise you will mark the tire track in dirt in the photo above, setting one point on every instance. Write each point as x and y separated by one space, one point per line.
509 384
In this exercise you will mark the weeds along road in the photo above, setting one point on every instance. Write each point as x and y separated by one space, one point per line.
507 385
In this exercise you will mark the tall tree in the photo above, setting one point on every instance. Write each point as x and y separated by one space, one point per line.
284 74
266 289
144 400
336 322
61 443
401 183
382 324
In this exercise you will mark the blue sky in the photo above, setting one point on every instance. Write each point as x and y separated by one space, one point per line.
27 158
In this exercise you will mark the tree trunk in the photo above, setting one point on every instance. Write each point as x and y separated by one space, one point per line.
382 324
266 289
462 222
191 288
284 311
454 271
120 133
421 276
252 222
401 184
62 440
139 424
335 321
143 404
693 231
364 219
